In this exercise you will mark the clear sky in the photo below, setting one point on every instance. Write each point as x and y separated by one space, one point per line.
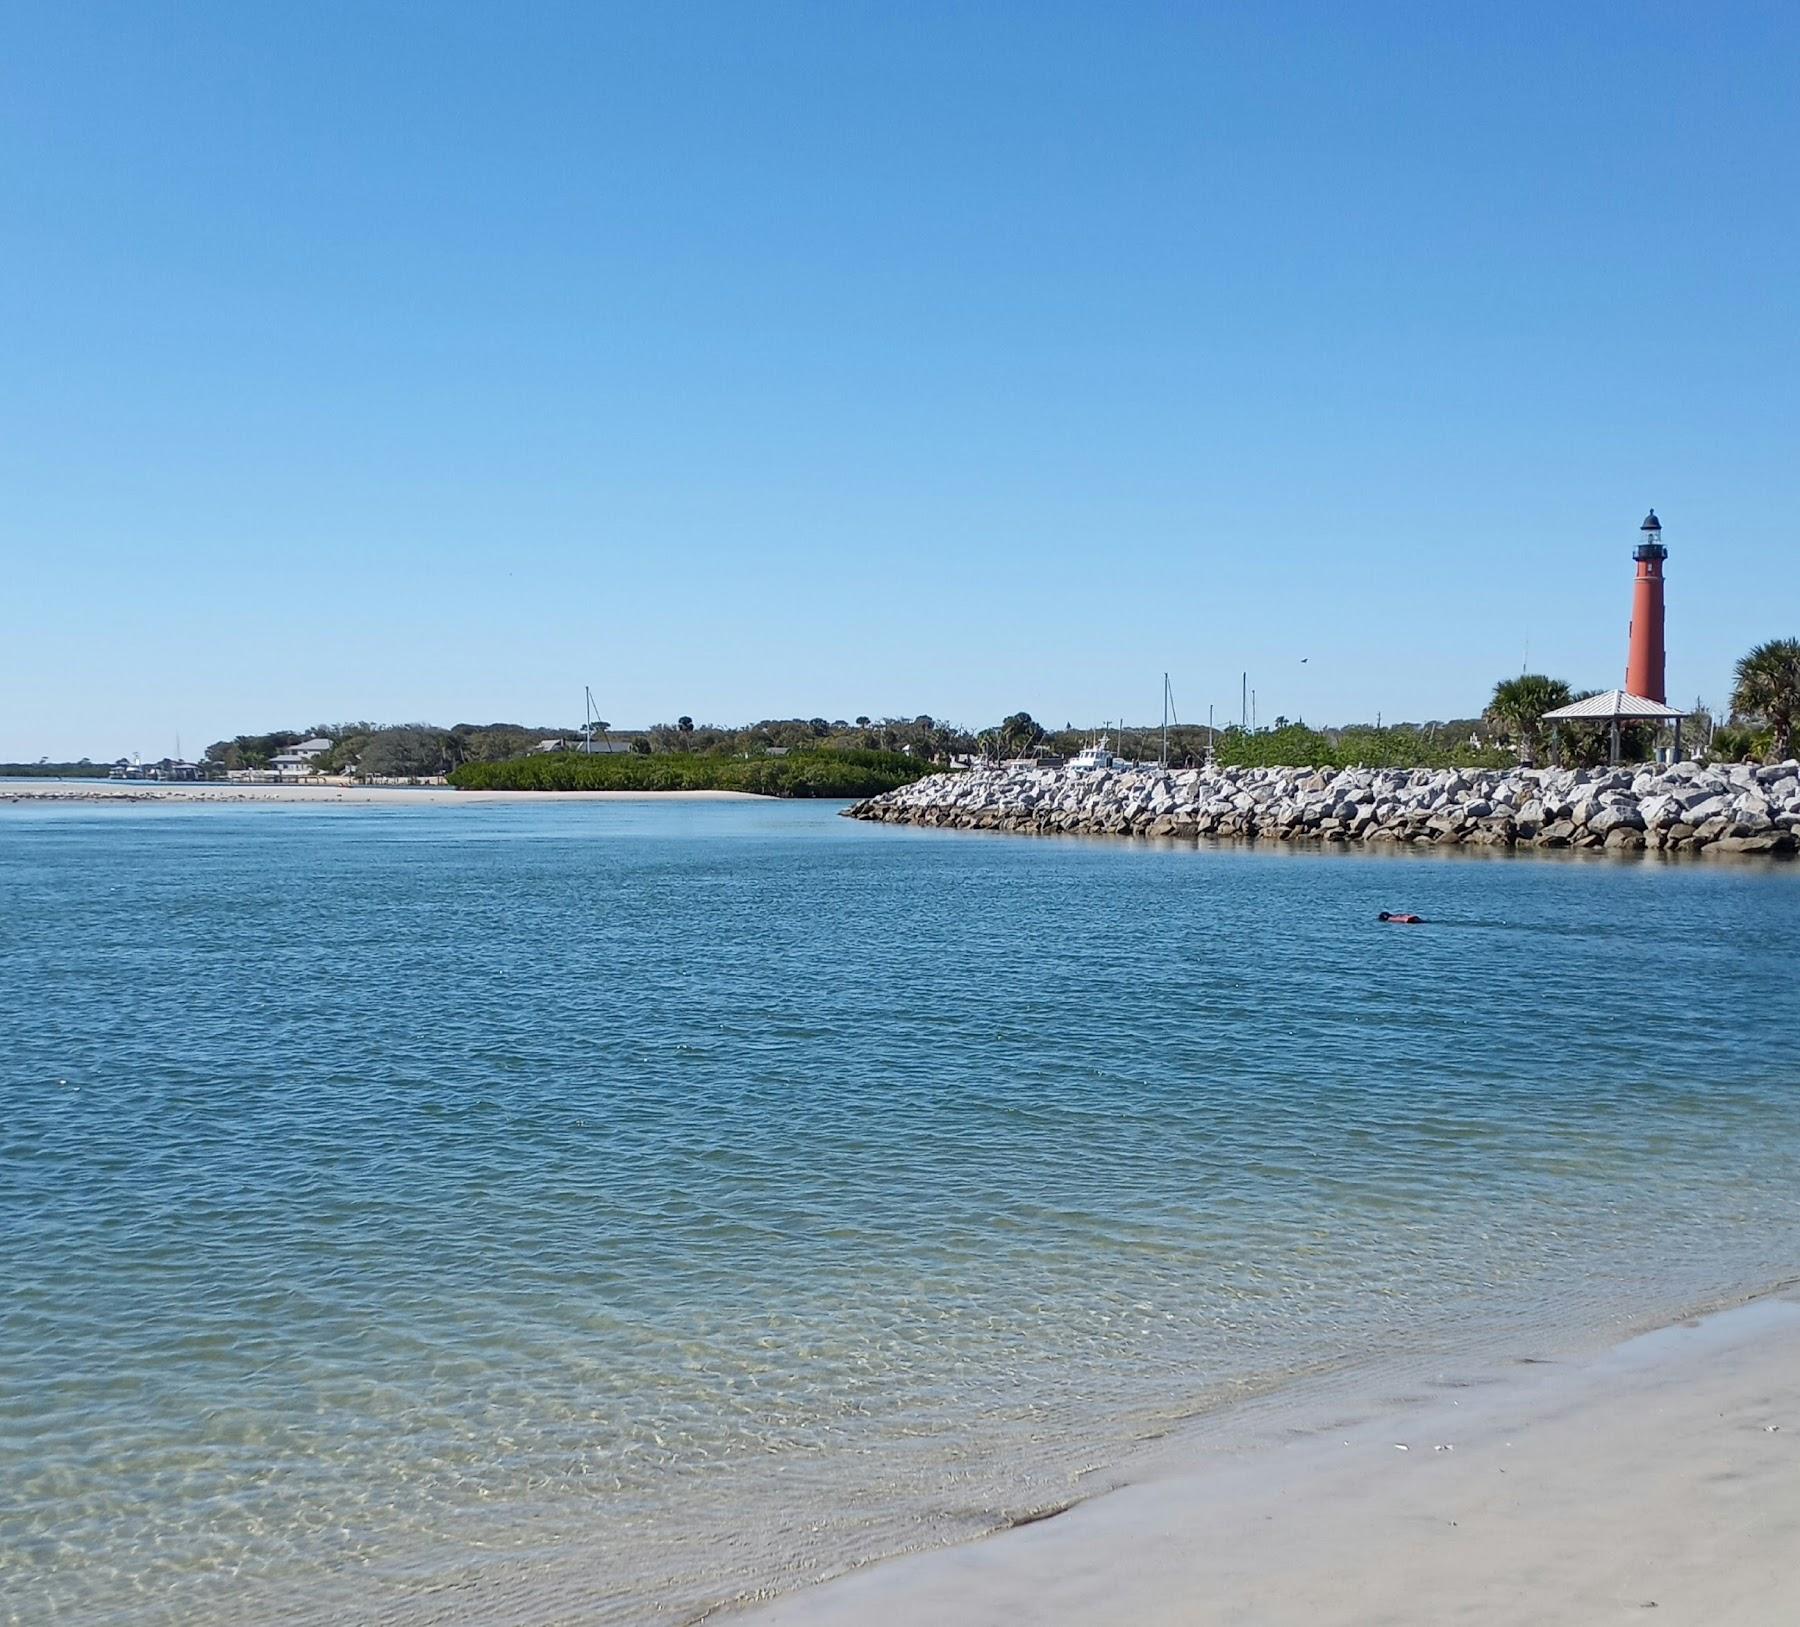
435 360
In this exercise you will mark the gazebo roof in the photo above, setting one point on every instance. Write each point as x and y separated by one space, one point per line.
1615 706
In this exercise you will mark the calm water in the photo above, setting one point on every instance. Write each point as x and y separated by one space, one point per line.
556 1213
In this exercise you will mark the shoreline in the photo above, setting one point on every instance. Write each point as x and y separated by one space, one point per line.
1660 1472
127 791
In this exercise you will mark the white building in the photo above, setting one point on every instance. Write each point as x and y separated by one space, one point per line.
297 761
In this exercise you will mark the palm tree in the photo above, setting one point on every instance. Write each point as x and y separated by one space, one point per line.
1519 704
1768 686
1020 732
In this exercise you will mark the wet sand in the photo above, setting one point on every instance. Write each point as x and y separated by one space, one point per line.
1663 1476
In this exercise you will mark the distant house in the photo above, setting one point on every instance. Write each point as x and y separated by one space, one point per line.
297 761
594 748
170 768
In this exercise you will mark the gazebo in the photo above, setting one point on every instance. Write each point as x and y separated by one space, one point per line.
1614 707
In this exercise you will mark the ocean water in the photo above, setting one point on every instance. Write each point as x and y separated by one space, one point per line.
569 1213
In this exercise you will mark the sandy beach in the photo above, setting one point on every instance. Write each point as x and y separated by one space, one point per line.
1663 1475
393 795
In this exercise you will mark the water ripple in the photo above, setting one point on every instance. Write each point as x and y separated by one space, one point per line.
550 1213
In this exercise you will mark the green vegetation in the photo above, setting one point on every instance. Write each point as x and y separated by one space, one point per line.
1284 745
397 751
922 736
44 769
1735 743
1516 715
250 750
1767 690
820 757
1293 745
410 751
815 773
1517 709
1019 734
420 750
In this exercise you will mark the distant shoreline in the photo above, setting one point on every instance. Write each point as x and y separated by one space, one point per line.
133 791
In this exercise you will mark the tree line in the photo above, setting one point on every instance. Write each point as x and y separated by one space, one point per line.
1765 712
1282 743
383 751
421 750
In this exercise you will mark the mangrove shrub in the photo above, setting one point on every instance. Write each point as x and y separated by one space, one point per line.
798 774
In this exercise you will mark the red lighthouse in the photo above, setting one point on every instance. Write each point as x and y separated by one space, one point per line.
1644 665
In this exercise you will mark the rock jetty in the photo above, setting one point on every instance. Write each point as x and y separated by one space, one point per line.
1687 807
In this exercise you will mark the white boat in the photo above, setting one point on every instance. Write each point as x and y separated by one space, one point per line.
1095 757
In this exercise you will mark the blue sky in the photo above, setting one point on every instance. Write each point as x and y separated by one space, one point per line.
435 360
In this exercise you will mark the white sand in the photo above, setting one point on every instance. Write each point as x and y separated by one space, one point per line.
393 795
1660 1482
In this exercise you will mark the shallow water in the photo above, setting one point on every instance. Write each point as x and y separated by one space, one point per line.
571 1212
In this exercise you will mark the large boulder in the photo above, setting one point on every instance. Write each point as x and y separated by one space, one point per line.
1768 841
1617 817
